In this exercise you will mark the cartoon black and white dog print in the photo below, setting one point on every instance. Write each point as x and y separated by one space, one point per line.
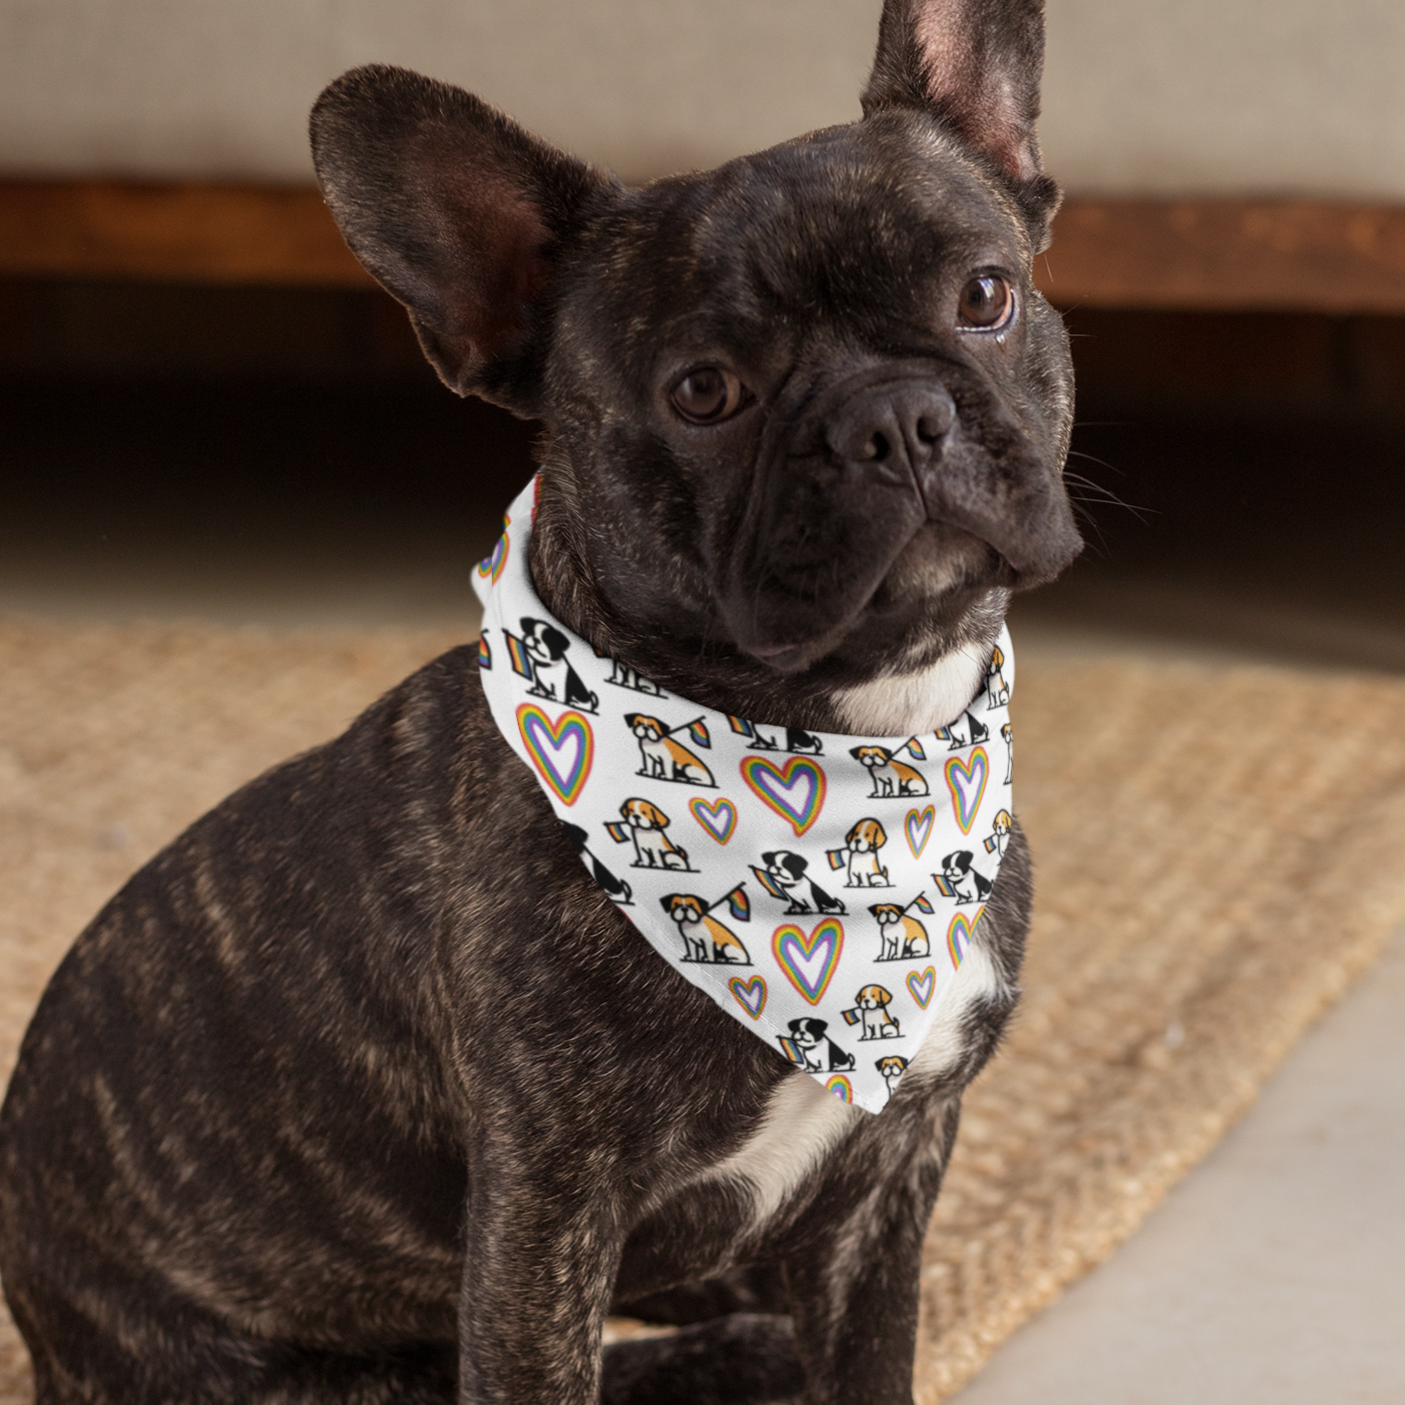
967 730
871 1011
809 1047
663 757
861 855
786 875
902 937
704 937
959 880
623 676
552 675
617 888
647 825
890 776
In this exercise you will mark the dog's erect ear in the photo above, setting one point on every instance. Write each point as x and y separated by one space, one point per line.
977 65
458 213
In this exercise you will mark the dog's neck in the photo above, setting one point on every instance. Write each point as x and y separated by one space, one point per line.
923 689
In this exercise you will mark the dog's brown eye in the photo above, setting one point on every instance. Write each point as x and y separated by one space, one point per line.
707 395
986 302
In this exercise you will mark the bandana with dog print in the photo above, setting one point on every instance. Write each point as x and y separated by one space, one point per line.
821 888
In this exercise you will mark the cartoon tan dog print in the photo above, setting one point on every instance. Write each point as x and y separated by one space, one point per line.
891 777
663 758
901 936
1002 826
810 1048
704 937
892 1068
646 824
1008 733
871 1010
996 688
862 845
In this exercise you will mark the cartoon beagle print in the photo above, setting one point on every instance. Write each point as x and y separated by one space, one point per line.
998 840
960 881
617 888
665 759
786 876
890 776
902 937
996 688
551 673
809 1047
704 937
871 1010
892 1068
860 853
646 824
1008 733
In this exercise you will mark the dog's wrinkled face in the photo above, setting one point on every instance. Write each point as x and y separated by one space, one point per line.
836 409
809 413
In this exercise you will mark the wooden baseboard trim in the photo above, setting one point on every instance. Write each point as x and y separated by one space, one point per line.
1225 255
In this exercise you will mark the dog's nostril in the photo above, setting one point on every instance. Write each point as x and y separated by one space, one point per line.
877 447
929 429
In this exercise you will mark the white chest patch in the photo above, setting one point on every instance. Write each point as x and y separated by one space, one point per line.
915 702
801 1125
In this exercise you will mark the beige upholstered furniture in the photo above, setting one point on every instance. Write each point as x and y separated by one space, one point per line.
1216 152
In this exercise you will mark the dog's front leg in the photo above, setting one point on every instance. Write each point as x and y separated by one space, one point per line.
854 1288
540 1261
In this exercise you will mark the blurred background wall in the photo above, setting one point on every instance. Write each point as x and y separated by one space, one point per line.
1141 96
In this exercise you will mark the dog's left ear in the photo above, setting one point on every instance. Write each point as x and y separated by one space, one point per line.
457 212
976 64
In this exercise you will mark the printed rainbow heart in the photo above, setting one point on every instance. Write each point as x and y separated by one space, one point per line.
562 751
750 995
719 818
491 568
809 962
796 793
966 782
919 829
958 935
921 984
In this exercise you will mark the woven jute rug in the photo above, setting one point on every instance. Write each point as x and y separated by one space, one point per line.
1219 851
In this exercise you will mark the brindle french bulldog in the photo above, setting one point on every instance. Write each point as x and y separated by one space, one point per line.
362 1090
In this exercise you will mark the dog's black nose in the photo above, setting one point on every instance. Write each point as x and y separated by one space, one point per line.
893 428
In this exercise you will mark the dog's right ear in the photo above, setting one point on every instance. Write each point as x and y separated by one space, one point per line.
457 212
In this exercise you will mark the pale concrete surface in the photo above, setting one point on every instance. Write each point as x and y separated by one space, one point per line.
1272 1274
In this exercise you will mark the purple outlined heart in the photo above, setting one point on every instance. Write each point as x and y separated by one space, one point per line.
921 984
809 962
966 782
919 829
719 818
796 793
562 751
750 995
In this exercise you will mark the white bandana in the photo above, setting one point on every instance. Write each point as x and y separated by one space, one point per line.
821 888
